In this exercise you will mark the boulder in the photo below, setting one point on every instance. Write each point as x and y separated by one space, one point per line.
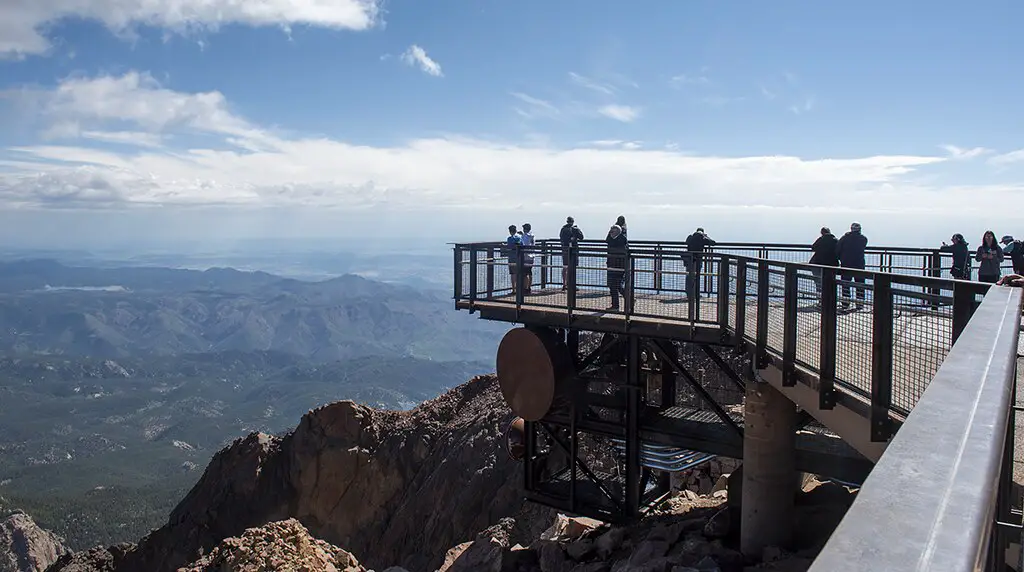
25 547
567 528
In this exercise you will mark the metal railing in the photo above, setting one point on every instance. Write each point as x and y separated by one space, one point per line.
942 488
880 337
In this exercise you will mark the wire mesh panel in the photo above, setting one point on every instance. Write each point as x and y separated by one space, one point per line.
922 336
808 319
854 334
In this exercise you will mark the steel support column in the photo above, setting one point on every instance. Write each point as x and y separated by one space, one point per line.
769 469
633 428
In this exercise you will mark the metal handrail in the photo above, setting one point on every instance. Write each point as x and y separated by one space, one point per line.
935 488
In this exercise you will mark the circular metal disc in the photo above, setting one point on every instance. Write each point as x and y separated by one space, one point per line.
526 374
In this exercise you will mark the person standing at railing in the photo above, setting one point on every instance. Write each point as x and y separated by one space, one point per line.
527 242
1015 250
621 223
961 269
850 249
826 253
990 254
695 244
511 251
618 255
570 237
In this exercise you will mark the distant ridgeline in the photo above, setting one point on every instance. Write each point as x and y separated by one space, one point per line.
49 308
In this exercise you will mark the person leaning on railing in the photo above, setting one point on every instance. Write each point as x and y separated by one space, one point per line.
618 253
961 269
569 237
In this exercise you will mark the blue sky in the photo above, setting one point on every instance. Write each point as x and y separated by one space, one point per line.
185 117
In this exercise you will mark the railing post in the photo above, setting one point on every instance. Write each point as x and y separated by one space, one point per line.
658 254
881 359
723 294
827 355
490 272
520 259
458 273
936 272
570 278
741 302
963 307
790 305
472 274
543 265
630 301
761 347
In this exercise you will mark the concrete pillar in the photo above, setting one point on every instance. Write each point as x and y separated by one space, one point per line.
769 469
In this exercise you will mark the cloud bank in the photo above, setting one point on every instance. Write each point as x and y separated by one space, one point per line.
129 141
23 22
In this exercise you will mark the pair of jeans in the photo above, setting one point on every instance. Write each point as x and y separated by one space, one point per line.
846 289
617 284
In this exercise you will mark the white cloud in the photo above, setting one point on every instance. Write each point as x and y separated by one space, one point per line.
683 80
616 143
591 84
623 113
23 21
534 107
417 57
962 153
767 93
804 106
231 161
1008 158
136 138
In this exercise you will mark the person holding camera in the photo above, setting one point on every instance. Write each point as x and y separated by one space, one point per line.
990 255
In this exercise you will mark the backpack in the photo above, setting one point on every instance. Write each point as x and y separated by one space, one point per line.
509 249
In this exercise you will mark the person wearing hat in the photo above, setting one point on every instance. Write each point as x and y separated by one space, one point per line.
851 255
1015 250
695 244
961 269
569 236
826 253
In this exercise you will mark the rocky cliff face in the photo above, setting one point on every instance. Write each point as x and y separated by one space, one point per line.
393 488
24 547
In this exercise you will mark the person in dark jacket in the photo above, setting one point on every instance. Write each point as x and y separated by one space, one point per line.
569 236
621 223
1015 250
695 244
961 269
826 253
991 257
850 249
618 254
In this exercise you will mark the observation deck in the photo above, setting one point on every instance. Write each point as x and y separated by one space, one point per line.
677 372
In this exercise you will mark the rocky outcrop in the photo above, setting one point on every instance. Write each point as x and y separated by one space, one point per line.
24 547
394 488
284 545
686 533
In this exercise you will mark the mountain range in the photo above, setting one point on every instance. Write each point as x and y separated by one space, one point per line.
49 308
118 384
